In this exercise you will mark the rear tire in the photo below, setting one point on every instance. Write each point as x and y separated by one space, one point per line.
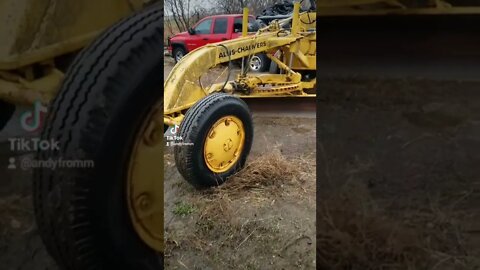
194 129
82 213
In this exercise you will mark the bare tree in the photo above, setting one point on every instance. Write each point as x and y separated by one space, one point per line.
180 12
236 6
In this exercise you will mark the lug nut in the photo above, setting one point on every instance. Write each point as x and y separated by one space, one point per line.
143 201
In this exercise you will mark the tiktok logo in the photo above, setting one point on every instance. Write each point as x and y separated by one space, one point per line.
32 120
174 129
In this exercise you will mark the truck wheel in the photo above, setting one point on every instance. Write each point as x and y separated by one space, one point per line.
178 53
6 112
101 207
217 135
259 63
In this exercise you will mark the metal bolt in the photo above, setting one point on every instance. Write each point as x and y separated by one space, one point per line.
227 145
143 201
153 135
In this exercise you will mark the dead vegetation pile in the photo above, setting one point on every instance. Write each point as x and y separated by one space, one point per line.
353 232
263 181
269 174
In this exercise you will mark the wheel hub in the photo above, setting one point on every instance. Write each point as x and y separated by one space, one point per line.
179 55
145 181
255 63
224 144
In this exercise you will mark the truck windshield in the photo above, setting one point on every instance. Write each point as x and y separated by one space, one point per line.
204 27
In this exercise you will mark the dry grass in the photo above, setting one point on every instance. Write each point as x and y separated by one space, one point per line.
271 172
236 218
353 232
17 219
264 180
16 213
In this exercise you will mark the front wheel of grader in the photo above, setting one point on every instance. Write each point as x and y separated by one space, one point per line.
217 135
103 208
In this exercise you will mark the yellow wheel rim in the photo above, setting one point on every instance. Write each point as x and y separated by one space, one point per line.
145 181
224 144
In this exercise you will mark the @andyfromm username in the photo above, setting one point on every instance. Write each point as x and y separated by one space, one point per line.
26 163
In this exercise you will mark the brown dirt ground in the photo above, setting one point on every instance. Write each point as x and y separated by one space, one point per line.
263 218
399 178
20 244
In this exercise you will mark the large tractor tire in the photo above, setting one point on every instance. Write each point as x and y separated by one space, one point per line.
217 134
107 211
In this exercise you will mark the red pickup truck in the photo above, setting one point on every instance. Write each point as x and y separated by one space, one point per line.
213 29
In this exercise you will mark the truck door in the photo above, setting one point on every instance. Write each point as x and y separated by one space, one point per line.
202 34
220 27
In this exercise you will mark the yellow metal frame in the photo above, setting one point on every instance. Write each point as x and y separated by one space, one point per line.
35 32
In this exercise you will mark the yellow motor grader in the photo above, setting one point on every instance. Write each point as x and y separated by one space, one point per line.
215 125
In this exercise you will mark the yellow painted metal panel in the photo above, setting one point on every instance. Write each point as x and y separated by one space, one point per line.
37 30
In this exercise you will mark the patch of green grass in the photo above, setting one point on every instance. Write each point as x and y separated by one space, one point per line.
183 209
